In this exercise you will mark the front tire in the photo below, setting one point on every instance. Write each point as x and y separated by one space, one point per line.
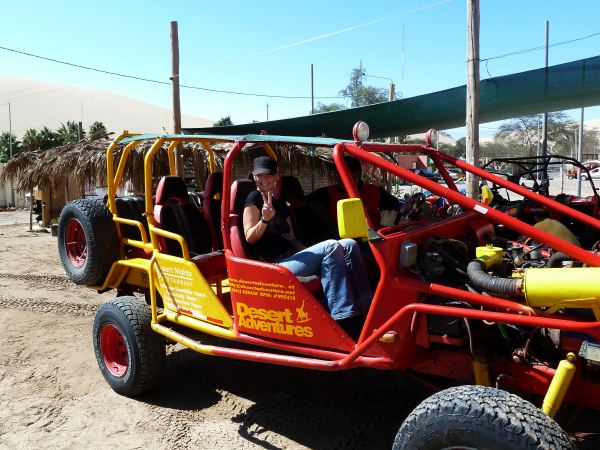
131 356
479 417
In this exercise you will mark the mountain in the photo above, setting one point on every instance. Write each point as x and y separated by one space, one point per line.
445 138
35 104
592 123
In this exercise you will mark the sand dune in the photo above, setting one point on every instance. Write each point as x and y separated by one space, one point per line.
35 104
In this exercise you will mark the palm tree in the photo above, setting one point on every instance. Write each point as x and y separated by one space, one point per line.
31 139
5 146
47 138
68 133
97 130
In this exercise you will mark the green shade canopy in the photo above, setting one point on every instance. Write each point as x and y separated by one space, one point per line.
249 138
564 86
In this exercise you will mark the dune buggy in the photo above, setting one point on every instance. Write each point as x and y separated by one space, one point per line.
456 297
536 172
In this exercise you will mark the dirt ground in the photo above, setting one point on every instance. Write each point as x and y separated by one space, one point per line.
52 394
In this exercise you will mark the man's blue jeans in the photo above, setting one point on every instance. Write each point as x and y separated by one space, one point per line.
343 276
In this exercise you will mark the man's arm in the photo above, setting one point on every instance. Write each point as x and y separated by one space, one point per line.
257 221
254 227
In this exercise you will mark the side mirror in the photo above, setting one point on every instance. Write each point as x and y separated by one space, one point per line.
351 219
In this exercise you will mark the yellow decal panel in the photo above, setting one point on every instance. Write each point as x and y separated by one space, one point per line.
183 289
270 302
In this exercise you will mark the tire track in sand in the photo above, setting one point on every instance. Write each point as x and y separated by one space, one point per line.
56 280
43 305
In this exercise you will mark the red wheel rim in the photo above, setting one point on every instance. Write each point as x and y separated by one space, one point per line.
113 350
75 243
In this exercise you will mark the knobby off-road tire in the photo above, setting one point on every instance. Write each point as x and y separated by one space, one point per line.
130 354
87 241
479 417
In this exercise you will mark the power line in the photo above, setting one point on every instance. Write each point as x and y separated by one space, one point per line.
541 47
148 80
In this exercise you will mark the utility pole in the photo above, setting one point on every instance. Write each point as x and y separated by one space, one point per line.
10 153
9 132
312 111
267 112
176 101
402 86
391 98
472 119
312 91
545 123
580 153
10 148
12 191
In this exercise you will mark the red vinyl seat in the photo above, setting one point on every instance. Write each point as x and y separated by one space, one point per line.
174 212
212 206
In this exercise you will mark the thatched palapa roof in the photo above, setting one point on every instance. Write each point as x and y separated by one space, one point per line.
86 161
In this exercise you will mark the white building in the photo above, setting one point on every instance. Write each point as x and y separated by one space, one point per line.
9 195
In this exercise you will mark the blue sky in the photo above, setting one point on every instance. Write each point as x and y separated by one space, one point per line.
267 47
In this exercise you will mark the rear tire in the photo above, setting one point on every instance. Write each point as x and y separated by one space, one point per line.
131 356
479 417
88 244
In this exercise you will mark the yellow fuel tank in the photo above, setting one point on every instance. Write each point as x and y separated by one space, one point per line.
576 287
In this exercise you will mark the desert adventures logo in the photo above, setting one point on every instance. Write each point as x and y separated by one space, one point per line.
274 321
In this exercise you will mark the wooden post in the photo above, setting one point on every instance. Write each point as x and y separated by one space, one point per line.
46 205
472 119
312 91
545 123
176 102
580 153
31 200
312 111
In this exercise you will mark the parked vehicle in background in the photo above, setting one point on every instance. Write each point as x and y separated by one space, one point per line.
456 174
571 171
594 173
433 176
537 170
591 164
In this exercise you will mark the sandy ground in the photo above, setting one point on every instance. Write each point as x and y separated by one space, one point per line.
52 394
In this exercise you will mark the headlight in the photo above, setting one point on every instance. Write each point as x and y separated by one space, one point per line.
432 138
360 131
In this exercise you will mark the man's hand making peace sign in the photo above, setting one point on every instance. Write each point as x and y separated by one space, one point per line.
268 212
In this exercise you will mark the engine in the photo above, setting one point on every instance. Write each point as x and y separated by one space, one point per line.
519 270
